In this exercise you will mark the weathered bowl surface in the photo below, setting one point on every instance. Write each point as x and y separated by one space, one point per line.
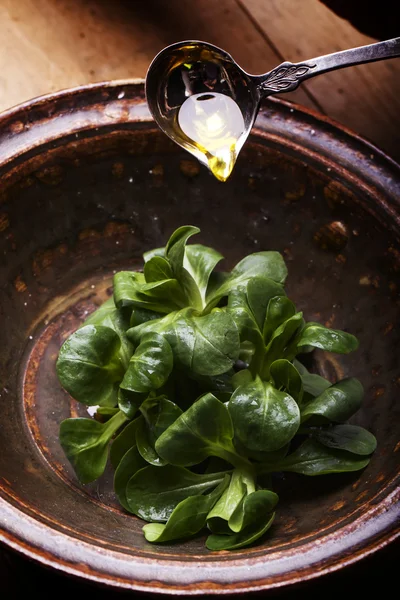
87 183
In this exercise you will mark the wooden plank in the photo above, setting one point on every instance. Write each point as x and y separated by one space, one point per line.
46 45
367 97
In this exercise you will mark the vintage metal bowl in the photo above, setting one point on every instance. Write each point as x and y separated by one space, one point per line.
87 183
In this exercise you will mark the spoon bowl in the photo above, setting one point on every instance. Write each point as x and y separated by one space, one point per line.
204 72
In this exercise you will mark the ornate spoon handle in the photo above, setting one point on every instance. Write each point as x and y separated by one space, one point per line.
288 76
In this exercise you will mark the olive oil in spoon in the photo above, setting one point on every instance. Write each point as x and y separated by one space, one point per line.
214 125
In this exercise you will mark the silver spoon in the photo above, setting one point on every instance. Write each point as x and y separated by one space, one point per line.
185 75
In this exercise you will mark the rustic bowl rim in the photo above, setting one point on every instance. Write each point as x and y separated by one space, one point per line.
35 539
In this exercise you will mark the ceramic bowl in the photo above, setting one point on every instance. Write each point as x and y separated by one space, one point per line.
87 183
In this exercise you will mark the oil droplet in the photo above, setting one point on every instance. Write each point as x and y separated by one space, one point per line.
212 124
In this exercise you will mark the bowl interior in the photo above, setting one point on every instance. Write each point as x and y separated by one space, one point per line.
75 212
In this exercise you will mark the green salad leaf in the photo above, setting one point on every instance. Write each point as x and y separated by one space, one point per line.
313 384
314 458
108 315
231 498
124 441
205 345
159 414
263 417
279 310
332 340
352 438
154 492
90 365
286 377
187 518
150 365
337 403
130 463
204 430
85 442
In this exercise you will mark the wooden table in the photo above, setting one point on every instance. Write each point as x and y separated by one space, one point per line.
47 45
